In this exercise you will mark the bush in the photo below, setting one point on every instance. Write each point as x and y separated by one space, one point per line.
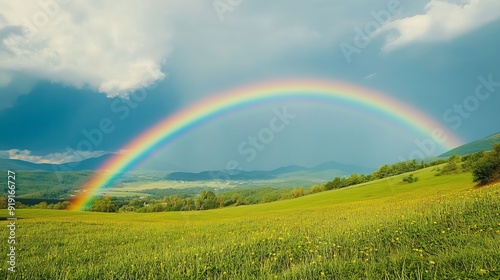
294 193
103 205
451 166
410 179
487 169
468 161
317 189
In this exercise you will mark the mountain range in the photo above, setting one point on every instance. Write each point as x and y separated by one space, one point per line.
326 169
87 164
332 167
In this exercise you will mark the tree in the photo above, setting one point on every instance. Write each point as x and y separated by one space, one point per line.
336 183
487 169
61 205
316 189
353 179
221 199
41 205
206 200
451 166
364 178
297 192
103 205
3 202
384 171
468 161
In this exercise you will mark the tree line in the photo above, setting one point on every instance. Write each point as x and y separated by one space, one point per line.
485 168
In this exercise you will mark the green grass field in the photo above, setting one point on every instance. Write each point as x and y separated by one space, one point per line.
437 228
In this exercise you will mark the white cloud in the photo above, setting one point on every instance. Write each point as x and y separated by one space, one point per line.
54 158
372 75
109 46
442 20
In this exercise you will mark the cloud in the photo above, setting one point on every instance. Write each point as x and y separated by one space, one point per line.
54 158
372 75
114 49
441 21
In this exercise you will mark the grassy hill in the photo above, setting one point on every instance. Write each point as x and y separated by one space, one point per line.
440 227
485 144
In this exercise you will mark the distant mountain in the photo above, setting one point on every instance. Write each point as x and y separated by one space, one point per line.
332 167
15 164
326 171
484 144
87 164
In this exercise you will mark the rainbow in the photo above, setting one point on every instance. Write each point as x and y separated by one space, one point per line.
214 106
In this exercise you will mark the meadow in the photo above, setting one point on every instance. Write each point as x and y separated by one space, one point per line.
441 227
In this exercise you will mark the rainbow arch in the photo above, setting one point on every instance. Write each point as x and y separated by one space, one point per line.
209 108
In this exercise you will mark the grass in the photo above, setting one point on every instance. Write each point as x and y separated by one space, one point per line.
36 184
437 228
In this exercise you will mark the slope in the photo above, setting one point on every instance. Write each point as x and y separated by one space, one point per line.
484 144
375 192
437 228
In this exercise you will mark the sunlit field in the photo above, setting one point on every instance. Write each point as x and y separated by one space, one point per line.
437 228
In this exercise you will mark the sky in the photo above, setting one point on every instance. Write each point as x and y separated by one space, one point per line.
69 69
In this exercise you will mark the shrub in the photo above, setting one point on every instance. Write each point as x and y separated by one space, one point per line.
410 179
317 189
487 169
103 205
451 166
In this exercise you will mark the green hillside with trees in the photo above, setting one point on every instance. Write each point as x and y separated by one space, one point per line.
485 144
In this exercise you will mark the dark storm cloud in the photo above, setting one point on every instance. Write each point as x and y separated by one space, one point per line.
284 39
53 118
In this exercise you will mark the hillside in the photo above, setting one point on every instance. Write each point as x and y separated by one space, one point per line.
484 144
437 228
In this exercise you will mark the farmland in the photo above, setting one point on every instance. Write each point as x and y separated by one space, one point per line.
441 227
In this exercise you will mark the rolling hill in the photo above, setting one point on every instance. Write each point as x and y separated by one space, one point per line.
484 144
440 227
